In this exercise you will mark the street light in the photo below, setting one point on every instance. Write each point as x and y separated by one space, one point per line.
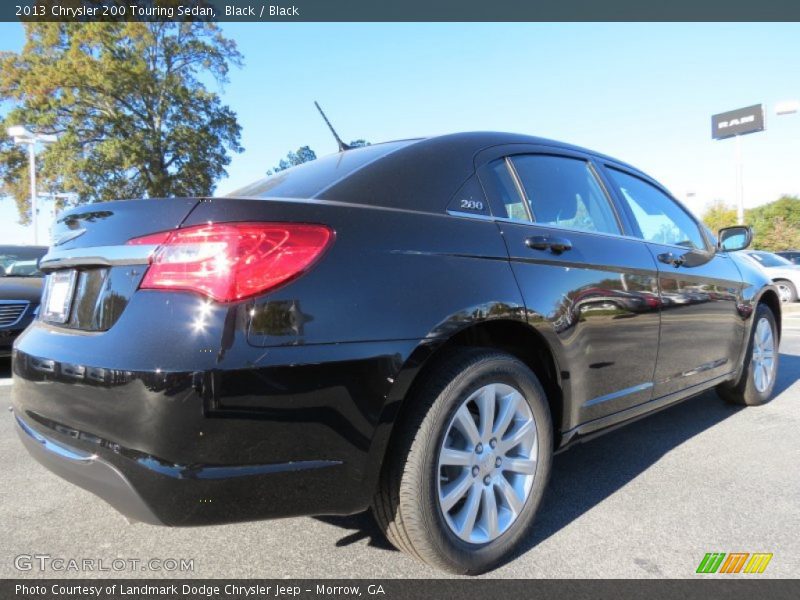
787 107
24 137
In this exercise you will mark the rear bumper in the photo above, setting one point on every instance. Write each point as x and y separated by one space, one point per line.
301 432
89 471
150 490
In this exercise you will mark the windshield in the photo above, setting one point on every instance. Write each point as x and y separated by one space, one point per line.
767 259
21 262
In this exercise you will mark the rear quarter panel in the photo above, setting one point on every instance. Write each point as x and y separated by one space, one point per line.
389 275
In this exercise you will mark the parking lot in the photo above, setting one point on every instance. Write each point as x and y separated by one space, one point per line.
648 500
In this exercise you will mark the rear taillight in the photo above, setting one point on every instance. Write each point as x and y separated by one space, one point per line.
231 261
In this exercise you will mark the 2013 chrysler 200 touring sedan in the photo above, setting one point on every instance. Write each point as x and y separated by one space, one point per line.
414 326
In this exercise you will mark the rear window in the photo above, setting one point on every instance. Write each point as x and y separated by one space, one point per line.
312 178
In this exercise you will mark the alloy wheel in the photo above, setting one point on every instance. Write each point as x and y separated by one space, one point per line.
763 355
487 463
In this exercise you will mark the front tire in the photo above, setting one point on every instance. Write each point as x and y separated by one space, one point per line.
468 467
760 368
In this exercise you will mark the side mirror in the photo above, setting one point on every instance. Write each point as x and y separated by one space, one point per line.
734 238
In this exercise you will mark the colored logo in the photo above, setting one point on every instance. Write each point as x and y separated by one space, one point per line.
735 562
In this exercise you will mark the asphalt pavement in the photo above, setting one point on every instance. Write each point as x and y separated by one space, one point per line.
648 500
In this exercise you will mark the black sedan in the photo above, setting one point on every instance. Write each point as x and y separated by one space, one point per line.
414 326
20 291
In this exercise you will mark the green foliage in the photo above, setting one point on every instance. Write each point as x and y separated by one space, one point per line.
719 215
131 107
776 226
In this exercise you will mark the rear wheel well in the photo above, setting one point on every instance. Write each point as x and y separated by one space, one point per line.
771 300
517 339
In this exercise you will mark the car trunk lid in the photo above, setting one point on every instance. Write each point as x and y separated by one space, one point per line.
92 271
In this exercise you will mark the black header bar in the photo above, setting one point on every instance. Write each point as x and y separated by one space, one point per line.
400 10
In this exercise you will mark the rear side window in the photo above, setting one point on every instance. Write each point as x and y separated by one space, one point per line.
564 192
661 220
500 186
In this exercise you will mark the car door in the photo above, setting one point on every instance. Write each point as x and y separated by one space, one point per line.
701 328
589 289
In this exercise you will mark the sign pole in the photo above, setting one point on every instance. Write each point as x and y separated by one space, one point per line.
739 181
735 124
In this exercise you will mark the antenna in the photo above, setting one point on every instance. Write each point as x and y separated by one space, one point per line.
342 145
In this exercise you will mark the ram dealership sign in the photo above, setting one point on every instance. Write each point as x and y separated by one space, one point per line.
737 122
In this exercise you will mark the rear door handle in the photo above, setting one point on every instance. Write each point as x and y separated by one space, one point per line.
556 245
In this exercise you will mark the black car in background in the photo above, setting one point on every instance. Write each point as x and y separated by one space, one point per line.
20 291
792 256
414 326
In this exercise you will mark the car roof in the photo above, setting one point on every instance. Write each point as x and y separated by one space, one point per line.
21 248
422 171
419 174
480 140
18 246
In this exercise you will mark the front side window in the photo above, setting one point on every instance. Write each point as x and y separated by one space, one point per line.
564 192
661 220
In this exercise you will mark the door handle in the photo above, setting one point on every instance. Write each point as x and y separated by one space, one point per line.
557 245
668 258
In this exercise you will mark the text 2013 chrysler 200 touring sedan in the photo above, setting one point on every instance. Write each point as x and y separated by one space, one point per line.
413 326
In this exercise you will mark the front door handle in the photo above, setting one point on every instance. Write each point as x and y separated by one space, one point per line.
668 258
557 245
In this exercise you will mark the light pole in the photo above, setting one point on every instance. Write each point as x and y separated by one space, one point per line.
24 137
787 107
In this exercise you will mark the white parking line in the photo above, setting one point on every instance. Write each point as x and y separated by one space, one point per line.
5 382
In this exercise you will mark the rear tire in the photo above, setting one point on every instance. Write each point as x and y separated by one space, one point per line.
760 369
786 290
462 479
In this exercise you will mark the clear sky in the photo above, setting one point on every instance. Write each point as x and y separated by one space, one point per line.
643 93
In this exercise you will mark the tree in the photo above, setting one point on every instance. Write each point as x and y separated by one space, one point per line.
776 225
718 214
780 235
305 154
130 105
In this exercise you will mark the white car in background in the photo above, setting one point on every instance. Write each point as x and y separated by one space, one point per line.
783 273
